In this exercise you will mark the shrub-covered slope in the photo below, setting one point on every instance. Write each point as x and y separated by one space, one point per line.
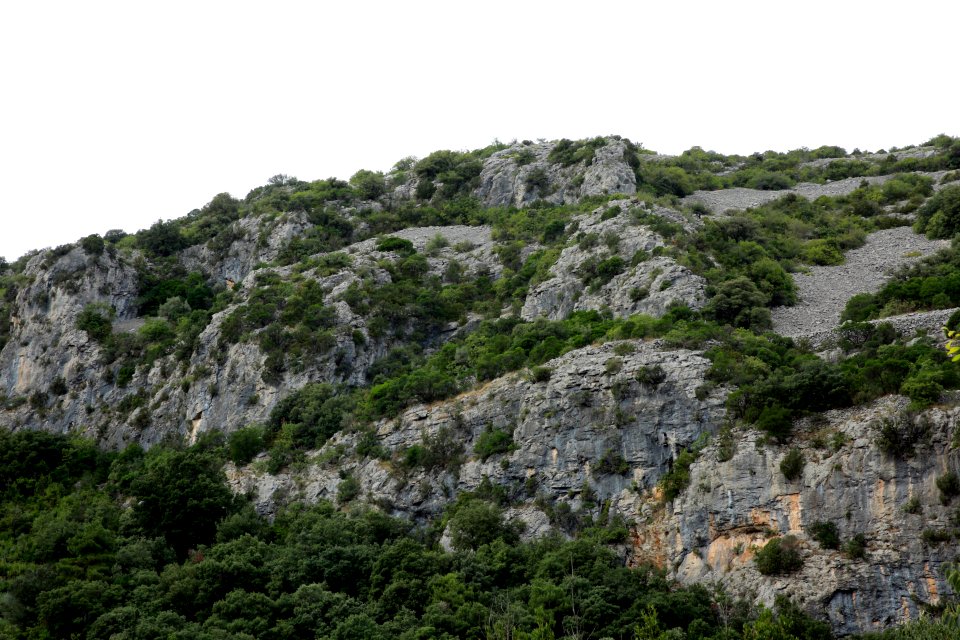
573 332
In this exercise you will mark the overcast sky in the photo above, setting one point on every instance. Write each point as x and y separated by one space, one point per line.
117 114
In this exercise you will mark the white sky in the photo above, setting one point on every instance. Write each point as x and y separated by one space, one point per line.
116 114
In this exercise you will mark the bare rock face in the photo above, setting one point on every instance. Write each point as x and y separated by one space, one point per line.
592 423
734 507
523 173
45 343
218 388
646 284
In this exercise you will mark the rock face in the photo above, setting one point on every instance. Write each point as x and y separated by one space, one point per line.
590 433
732 508
646 284
45 342
523 174
592 408
255 240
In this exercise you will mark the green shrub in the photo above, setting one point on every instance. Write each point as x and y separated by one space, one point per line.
348 489
923 388
609 268
734 301
309 416
436 243
93 245
162 239
442 450
678 477
792 464
899 434
612 366
913 506
769 181
58 386
244 444
940 216
567 153
823 252
96 320
541 374
477 523
826 534
652 375
779 556
856 547
949 485
398 245
493 441
777 421
369 185
537 179
611 462
933 537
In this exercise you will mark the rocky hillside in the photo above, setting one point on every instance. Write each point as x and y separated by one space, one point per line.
584 331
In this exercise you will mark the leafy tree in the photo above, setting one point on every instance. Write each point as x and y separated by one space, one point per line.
477 523
734 301
181 497
369 185
162 239
245 443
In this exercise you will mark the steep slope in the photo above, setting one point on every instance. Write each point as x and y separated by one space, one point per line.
574 330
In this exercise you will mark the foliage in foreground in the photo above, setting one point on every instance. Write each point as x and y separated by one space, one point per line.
152 544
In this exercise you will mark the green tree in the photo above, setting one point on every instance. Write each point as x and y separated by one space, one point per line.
369 185
181 497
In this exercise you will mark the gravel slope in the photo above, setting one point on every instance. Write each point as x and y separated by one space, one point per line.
824 291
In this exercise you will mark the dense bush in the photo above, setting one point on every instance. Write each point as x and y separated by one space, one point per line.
457 173
792 464
949 486
779 556
162 239
182 496
673 483
856 547
493 441
96 320
826 534
940 216
369 185
567 153
898 434
611 462
245 443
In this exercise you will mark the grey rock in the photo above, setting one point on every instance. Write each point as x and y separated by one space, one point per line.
650 286
505 182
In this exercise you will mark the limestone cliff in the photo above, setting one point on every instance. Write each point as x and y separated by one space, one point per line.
591 432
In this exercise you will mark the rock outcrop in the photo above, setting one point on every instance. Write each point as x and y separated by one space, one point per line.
735 506
646 282
523 173
627 405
